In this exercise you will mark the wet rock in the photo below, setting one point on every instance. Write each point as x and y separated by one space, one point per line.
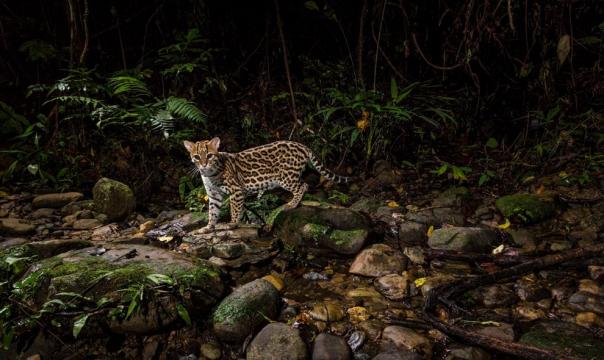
42 213
524 238
327 311
393 286
529 289
277 341
529 311
415 254
56 200
210 351
114 199
564 338
336 229
10 242
596 272
86 224
358 314
356 340
244 310
410 232
503 332
366 205
470 239
589 319
13 226
405 339
363 293
398 355
330 347
495 296
372 328
228 249
432 281
586 302
528 208
378 260
468 353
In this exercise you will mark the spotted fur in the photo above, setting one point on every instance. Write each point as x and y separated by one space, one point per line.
278 164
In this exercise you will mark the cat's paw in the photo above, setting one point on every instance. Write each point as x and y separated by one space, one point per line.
206 229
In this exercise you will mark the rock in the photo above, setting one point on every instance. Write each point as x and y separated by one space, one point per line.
86 224
105 231
524 238
415 254
398 355
378 260
466 239
405 339
228 249
244 310
13 226
498 295
503 332
589 319
56 200
310 227
42 213
596 272
210 351
468 353
433 281
528 208
277 341
366 205
363 293
529 289
356 339
327 311
586 302
393 286
330 347
564 338
529 311
412 233
456 196
114 199
357 314
10 242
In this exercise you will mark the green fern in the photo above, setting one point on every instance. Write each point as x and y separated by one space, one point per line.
128 85
184 108
77 100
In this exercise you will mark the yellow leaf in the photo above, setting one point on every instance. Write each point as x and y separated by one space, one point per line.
206 198
505 225
563 174
358 314
311 203
362 124
419 282
393 204
275 280
165 238
430 230
498 249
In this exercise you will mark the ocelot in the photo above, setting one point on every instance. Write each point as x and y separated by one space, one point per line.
278 164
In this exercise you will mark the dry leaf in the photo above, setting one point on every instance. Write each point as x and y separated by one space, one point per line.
505 225
563 48
393 204
419 282
275 280
165 238
498 249
430 230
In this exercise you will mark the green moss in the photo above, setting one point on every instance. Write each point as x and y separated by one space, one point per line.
346 237
244 306
565 338
528 208
270 220
316 231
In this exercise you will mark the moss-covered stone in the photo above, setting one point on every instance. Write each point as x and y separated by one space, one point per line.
528 208
244 310
565 339
113 198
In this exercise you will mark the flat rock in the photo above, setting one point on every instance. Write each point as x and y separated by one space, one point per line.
86 224
378 260
564 338
330 347
468 353
468 239
393 286
42 213
56 200
405 339
13 226
277 341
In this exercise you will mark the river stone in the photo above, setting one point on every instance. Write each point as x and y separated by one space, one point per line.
12 241
405 339
42 213
466 239
336 229
13 226
378 260
528 208
398 355
586 301
228 249
410 232
497 295
113 198
248 306
56 200
503 332
86 224
393 286
564 338
468 353
327 311
330 347
277 341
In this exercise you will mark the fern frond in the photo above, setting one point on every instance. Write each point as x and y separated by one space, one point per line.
128 85
163 121
184 108
77 100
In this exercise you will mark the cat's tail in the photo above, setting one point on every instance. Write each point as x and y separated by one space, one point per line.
326 173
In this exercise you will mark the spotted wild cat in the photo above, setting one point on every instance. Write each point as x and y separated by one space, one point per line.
278 164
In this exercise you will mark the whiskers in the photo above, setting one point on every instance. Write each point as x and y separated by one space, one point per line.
193 172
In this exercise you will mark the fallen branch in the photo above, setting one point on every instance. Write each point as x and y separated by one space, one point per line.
444 294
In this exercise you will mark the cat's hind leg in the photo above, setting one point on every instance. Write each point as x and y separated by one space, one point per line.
298 190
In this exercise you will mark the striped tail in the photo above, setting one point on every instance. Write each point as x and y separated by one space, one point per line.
328 174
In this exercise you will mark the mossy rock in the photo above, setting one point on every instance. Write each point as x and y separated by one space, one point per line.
240 313
528 208
564 339
339 229
114 199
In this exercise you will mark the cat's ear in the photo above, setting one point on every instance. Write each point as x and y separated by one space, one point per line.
189 145
214 143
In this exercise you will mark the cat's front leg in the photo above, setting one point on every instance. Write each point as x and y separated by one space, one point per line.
237 200
214 205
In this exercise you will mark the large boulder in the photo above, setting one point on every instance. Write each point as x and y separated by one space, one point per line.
470 239
277 341
113 198
527 208
330 229
56 200
564 338
246 308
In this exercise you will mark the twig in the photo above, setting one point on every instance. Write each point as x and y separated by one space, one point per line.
377 43
360 43
86 34
421 53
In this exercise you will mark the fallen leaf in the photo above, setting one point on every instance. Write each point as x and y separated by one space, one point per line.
275 280
430 230
505 225
393 204
358 314
165 238
419 282
206 198
540 190
498 249
563 48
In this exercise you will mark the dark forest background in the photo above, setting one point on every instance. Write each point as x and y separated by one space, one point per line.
450 88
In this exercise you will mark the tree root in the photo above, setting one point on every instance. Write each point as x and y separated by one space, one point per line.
444 295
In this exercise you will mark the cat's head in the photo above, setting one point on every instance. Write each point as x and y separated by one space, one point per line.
203 153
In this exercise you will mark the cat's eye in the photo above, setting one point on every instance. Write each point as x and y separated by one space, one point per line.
196 157
209 156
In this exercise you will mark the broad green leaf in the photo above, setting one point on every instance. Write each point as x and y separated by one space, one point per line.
443 169
311 5
183 313
483 179
492 143
160 279
132 306
78 325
